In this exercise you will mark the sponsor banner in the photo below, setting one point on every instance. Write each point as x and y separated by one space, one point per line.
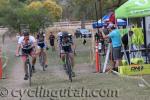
135 69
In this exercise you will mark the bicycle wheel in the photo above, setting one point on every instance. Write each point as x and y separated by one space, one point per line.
29 72
42 60
69 67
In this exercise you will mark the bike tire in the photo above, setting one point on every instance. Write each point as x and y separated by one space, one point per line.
69 68
29 73
42 60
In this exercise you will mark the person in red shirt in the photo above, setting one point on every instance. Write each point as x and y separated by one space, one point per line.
112 18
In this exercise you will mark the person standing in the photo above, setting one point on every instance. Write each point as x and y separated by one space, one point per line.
115 36
125 42
52 41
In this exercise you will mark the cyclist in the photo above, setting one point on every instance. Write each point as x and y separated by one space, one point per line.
67 45
27 44
41 44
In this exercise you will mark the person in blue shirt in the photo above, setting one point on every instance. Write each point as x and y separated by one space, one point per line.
115 36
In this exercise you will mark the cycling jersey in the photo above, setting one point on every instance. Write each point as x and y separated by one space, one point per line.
41 40
27 46
66 44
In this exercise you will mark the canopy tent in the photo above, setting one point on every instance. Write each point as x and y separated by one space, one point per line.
133 8
98 24
105 19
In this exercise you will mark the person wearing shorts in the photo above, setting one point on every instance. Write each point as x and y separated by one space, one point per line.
41 44
27 45
67 45
116 44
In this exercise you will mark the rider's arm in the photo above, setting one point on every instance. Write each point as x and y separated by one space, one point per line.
18 49
19 46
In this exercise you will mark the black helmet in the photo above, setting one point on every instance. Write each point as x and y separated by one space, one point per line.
65 34
25 33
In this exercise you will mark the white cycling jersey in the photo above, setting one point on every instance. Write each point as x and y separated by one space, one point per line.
31 41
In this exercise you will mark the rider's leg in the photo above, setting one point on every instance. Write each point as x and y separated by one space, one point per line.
62 54
72 59
71 55
46 58
33 55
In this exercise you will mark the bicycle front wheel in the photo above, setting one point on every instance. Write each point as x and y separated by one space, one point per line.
29 72
42 59
69 68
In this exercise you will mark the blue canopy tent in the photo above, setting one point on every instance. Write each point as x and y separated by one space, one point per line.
121 22
99 24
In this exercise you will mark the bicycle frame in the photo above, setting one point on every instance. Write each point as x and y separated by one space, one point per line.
68 65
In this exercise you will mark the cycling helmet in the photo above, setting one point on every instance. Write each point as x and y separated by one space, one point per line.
25 33
65 34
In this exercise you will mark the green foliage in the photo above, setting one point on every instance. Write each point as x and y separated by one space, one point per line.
13 13
78 9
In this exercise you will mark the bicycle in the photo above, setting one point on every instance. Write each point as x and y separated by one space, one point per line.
68 65
29 67
42 58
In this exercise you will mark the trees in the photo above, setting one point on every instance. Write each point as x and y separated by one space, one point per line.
77 9
35 13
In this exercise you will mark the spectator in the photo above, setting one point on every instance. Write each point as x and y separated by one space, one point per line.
52 40
125 43
116 44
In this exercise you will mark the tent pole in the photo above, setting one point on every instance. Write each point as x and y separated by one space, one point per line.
129 40
145 39
144 29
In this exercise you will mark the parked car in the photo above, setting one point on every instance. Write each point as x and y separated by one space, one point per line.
83 33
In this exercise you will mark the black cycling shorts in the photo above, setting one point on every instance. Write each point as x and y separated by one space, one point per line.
27 51
66 49
41 45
